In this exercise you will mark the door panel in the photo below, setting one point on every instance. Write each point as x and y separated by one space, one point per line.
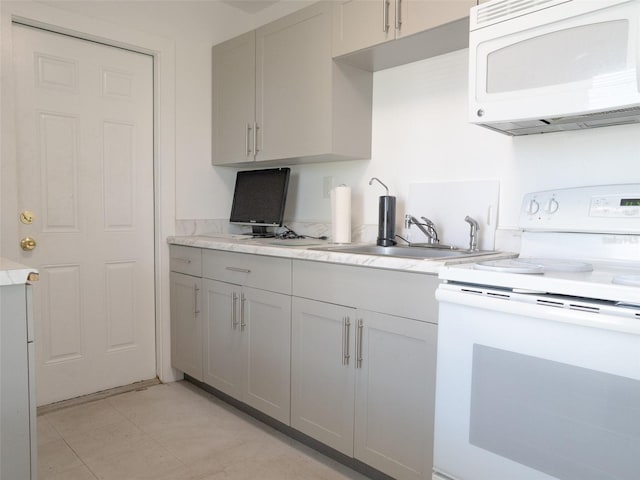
84 167
267 339
322 383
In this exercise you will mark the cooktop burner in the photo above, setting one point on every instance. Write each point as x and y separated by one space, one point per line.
534 265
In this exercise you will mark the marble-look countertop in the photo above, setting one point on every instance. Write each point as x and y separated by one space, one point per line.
302 250
12 273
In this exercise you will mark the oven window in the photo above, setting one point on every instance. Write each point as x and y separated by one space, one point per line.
568 422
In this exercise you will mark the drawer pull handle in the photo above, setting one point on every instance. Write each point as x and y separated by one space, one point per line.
236 269
184 260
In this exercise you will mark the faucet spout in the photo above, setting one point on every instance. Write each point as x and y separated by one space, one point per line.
426 226
378 180
473 233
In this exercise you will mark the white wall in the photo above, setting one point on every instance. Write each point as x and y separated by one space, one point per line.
420 134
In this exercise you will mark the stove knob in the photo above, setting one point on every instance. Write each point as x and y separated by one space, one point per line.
533 207
551 206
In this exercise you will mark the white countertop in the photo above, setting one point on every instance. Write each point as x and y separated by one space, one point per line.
12 273
303 252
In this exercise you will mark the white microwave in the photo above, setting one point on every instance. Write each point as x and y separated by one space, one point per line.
538 66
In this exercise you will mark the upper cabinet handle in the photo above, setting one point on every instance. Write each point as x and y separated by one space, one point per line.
385 16
255 139
398 14
247 146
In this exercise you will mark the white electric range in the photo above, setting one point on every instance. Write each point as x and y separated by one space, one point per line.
538 372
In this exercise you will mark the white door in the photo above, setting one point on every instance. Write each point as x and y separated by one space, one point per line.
85 170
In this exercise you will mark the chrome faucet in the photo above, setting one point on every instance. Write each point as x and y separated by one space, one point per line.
426 226
473 233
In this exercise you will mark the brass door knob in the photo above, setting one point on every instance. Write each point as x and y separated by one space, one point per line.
27 244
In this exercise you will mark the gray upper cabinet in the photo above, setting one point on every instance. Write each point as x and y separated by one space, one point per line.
378 34
279 97
234 93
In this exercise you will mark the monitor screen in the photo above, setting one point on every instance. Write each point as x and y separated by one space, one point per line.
259 198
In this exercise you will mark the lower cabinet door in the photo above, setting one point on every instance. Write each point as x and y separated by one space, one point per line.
322 372
186 324
222 337
395 394
266 337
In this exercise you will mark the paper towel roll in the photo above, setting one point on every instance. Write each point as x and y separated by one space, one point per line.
341 214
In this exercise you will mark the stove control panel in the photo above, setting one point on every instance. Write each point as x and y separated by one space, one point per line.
597 209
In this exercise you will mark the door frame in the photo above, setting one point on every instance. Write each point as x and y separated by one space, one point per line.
163 52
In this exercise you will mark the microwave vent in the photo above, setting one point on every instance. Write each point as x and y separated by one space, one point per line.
496 11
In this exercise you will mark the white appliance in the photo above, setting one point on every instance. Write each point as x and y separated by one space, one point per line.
538 66
538 370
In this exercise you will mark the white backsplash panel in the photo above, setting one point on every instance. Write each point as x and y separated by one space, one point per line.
447 204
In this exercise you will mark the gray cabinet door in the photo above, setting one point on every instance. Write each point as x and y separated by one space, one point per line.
360 24
395 394
419 15
222 337
294 85
234 100
322 373
186 324
266 337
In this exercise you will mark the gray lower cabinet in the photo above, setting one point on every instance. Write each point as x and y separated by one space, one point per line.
247 330
17 399
186 324
363 383
186 318
247 350
363 364
338 352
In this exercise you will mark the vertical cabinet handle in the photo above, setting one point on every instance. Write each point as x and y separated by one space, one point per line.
346 328
385 16
234 319
359 344
247 146
242 322
255 139
196 310
398 14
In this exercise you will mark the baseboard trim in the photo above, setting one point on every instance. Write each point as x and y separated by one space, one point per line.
339 457
93 397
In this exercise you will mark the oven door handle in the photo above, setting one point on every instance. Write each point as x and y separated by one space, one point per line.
530 306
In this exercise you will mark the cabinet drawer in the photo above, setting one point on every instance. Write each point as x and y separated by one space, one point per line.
257 271
404 294
187 260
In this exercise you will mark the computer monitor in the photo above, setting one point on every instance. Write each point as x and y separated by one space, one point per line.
259 199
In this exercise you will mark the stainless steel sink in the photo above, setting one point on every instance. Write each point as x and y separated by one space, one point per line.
402 251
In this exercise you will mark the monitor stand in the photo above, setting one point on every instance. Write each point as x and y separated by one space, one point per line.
260 232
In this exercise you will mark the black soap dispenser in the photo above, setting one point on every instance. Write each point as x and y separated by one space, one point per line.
386 217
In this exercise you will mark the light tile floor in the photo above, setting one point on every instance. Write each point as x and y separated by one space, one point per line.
171 432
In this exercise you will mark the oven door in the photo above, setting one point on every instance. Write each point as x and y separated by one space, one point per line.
533 392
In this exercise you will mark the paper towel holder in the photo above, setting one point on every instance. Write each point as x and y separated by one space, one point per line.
386 217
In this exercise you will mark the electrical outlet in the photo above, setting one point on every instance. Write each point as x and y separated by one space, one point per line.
327 186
